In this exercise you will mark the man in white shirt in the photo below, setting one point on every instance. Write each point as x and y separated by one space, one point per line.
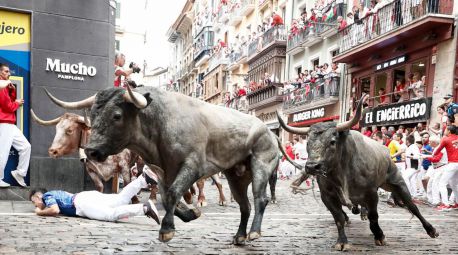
300 150
412 164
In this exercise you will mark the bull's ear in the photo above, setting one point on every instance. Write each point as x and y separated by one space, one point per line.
148 98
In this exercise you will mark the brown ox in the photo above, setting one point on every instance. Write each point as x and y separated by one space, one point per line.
71 133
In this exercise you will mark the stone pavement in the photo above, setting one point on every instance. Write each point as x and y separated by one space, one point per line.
296 225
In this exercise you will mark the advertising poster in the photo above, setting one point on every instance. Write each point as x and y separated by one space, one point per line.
15 37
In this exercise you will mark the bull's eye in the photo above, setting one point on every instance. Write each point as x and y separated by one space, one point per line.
117 116
333 142
69 132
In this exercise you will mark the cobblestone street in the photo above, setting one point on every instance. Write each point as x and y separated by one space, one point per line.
296 225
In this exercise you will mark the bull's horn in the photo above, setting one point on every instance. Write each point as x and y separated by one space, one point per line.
136 98
86 103
44 122
350 123
84 121
294 130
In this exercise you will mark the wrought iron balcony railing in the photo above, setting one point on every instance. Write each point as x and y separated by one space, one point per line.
274 34
309 92
388 18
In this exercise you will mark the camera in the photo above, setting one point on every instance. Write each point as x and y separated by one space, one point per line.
135 68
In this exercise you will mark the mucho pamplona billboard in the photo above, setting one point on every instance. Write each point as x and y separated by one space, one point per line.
412 111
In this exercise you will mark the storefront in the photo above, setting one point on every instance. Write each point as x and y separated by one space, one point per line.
309 117
395 56
405 113
68 49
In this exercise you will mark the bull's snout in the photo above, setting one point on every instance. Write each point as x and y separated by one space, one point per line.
95 154
53 153
313 166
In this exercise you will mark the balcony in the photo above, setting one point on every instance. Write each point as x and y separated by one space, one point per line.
203 44
273 36
265 96
322 92
394 24
237 103
223 14
248 7
238 57
235 16
217 59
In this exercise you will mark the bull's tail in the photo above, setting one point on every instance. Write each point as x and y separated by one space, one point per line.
296 165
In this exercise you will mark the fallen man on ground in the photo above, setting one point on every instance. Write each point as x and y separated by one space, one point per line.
95 205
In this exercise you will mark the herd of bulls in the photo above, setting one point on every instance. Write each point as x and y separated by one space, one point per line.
185 140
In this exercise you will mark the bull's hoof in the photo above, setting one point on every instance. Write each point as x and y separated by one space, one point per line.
201 203
273 201
253 236
166 236
342 247
347 223
433 233
222 203
363 216
196 212
380 242
239 240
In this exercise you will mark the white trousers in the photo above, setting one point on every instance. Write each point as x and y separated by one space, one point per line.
110 207
287 169
434 180
410 177
449 176
10 135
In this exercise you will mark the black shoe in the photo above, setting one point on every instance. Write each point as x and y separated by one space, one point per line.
151 211
149 176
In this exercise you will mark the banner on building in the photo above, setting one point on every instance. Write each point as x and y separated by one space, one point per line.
15 34
399 113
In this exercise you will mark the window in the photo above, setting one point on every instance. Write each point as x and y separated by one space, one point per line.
380 83
298 70
315 62
117 43
334 53
118 9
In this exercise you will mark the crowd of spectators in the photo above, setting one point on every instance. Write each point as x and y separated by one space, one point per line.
379 17
320 81
312 22
413 88
427 157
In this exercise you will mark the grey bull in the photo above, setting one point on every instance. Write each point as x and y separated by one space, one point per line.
184 139
350 167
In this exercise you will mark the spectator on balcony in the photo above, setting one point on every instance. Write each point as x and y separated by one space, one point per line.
267 79
382 96
241 91
342 23
401 91
260 29
418 87
276 20
340 10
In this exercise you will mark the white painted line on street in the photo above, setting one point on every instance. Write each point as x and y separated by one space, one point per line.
17 214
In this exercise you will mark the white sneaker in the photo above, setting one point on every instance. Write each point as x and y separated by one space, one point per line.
19 178
4 184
